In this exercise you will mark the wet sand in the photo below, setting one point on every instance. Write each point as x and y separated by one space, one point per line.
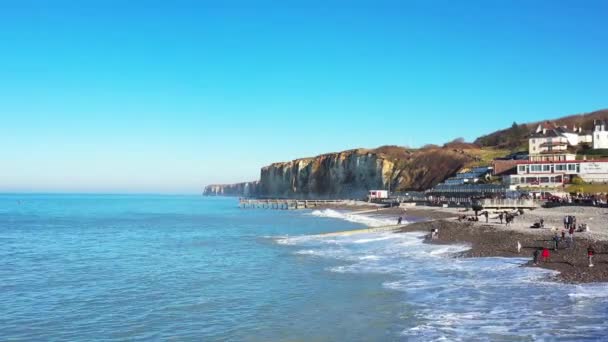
497 240
489 241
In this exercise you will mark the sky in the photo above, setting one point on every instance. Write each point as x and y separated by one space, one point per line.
168 96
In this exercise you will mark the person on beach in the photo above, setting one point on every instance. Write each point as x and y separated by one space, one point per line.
500 216
486 215
399 220
565 222
590 254
536 256
545 254
563 235
518 247
542 222
555 241
571 237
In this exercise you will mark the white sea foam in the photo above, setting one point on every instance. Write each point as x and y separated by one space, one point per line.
352 217
460 299
380 238
589 291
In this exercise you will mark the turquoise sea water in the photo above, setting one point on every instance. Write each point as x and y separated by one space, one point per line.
106 267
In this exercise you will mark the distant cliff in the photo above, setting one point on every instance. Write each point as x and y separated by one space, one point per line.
238 189
350 174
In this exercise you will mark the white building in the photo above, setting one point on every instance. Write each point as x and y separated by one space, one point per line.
377 194
600 135
547 142
557 173
551 157
550 143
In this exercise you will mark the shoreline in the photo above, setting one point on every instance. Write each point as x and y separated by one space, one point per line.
487 241
494 240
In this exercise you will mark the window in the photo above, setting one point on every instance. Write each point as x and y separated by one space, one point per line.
571 167
535 168
544 179
560 167
521 168
546 168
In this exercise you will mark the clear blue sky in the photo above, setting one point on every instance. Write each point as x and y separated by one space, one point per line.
166 96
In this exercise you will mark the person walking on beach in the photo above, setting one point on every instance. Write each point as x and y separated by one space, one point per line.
555 241
545 254
542 222
500 216
518 247
590 254
486 215
566 222
399 220
571 237
536 256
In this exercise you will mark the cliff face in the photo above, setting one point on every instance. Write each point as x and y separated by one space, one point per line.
351 174
239 189
344 174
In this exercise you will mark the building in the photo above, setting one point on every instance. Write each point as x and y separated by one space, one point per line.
547 157
467 183
600 135
556 173
549 137
377 194
547 142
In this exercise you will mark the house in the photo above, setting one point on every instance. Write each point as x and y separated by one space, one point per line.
551 143
600 135
556 173
548 142
377 194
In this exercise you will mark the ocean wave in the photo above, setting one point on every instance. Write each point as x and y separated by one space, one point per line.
460 299
356 218
589 291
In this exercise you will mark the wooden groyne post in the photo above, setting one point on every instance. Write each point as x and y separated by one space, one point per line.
283 204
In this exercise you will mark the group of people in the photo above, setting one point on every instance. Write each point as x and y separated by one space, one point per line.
569 222
543 254
468 218
504 217
579 198
507 217
434 233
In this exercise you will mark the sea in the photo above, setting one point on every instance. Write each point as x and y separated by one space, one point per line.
191 268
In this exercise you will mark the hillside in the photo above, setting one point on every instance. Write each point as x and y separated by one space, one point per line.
515 137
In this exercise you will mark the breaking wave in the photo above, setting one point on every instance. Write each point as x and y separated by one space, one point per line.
461 299
353 217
